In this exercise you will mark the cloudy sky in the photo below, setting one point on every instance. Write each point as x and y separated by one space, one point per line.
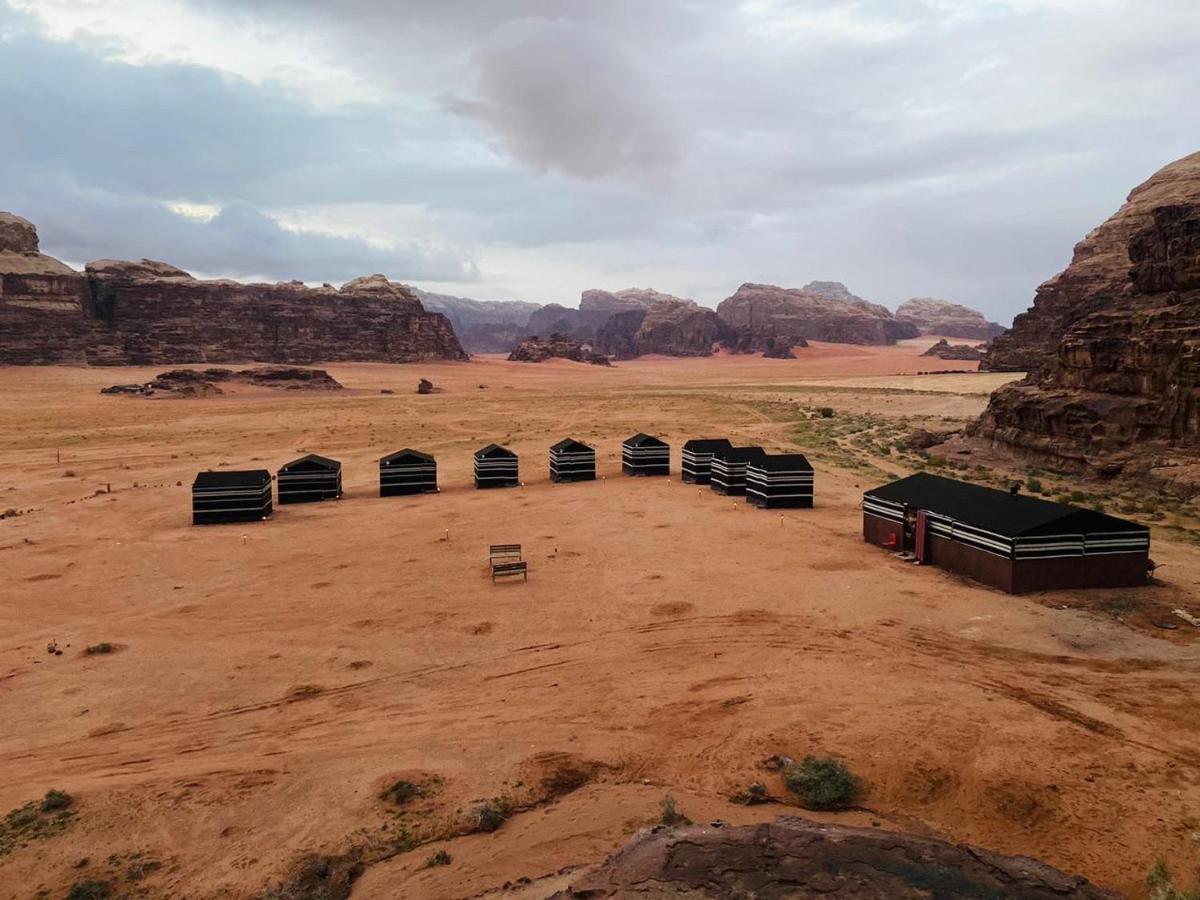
528 149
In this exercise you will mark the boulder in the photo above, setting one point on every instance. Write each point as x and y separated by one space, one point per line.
796 858
764 311
946 319
943 349
560 346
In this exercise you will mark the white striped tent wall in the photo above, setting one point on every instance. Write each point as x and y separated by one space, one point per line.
645 460
300 487
778 487
728 476
697 467
211 505
575 465
407 477
501 472
883 509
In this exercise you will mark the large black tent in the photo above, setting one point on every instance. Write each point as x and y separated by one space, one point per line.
1006 539
572 460
780 480
310 478
407 471
697 458
243 496
495 466
729 468
643 454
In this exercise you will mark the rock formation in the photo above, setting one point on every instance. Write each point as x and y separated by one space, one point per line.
596 300
943 349
1098 274
147 312
765 312
946 319
535 350
671 327
1113 345
204 382
796 858
483 326
581 324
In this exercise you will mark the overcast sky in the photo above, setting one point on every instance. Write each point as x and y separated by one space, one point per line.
529 149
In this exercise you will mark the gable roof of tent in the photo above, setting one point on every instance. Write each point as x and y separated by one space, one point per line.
739 454
406 453
240 478
312 461
571 444
641 440
998 511
495 451
705 445
774 462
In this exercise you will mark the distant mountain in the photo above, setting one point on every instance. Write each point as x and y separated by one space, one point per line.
941 317
482 326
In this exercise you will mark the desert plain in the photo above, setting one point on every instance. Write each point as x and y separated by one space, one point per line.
270 680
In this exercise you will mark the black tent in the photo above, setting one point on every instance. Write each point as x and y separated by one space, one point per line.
1006 539
231 497
572 460
407 471
495 466
310 478
697 458
645 455
780 480
729 468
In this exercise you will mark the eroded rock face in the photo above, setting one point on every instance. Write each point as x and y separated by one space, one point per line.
483 326
794 858
582 324
596 300
535 349
1098 275
941 317
1120 391
765 312
148 312
620 323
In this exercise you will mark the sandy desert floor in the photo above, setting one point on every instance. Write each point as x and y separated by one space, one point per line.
271 679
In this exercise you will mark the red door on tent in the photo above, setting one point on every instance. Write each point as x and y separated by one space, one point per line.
922 522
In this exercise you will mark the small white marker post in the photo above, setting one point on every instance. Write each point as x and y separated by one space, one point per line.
447 537
781 521
243 540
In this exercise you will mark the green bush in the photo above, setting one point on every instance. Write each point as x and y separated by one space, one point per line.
1162 883
401 792
752 796
90 890
102 647
491 815
827 412
441 858
55 800
820 782
670 814
1033 485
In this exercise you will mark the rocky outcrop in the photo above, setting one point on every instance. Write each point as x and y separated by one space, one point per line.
763 312
943 349
1119 392
148 312
1099 273
204 382
617 337
483 326
670 327
582 324
795 858
596 300
611 320
44 304
946 319
560 346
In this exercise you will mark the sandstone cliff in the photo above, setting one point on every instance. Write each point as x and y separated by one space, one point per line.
557 346
670 327
943 349
147 312
946 319
1118 389
793 858
582 324
596 300
1097 275
765 312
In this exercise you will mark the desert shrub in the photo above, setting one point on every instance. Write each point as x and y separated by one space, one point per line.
1161 882
90 890
670 813
401 792
1118 606
102 647
821 782
441 858
752 796
827 412
55 800
1033 485
489 816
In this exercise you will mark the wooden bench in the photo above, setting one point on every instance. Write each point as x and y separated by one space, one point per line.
500 569
504 551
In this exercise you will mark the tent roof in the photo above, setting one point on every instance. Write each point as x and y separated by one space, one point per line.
998 511
739 454
775 462
312 461
494 450
571 444
406 453
241 478
705 445
642 440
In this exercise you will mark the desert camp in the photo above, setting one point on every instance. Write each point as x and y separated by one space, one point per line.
309 479
407 472
231 496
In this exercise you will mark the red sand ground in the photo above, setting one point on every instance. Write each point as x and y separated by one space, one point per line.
271 678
